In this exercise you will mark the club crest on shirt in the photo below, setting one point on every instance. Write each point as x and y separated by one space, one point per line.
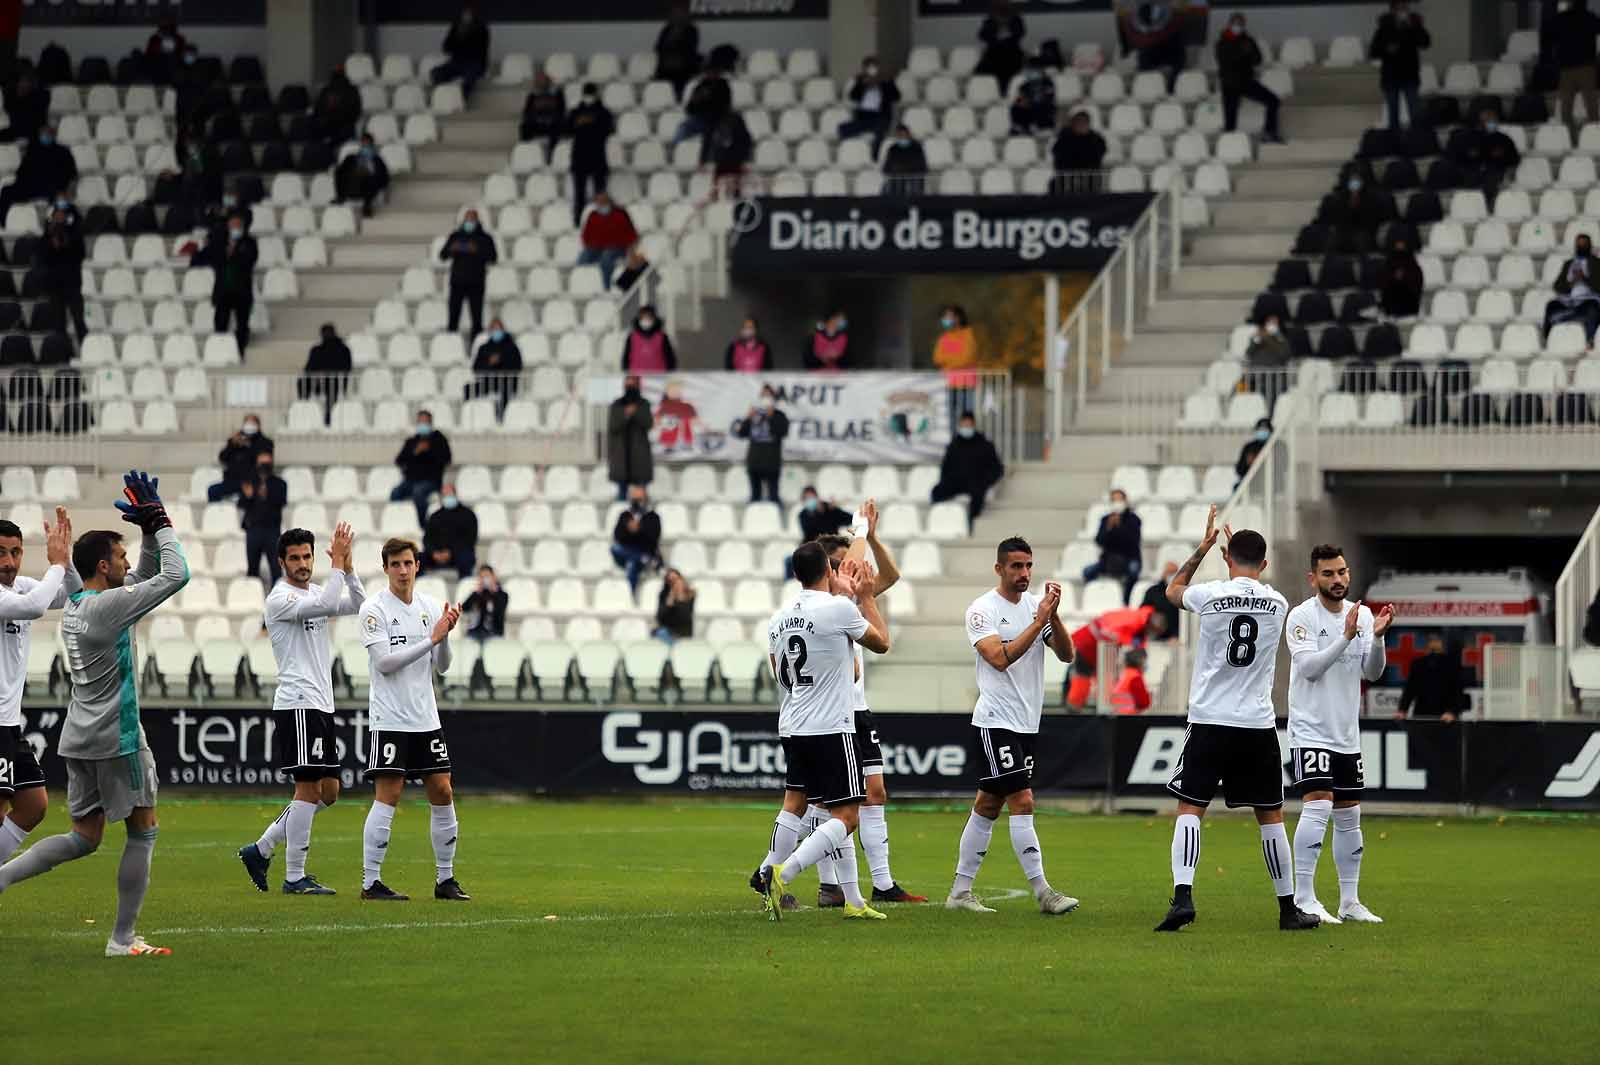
372 623
976 621
424 619
1299 632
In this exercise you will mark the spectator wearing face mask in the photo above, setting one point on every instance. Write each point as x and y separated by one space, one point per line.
710 96
1577 292
337 108
1398 45
262 497
450 536
1034 106
327 372
1433 685
748 353
467 45
632 270
163 54
199 172
1238 57
678 48
647 348
362 175
1252 449
1356 212
765 427
188 86
1118 538
1486 155
629 458
819 517
232 256
46 168
27 109
59 258
1268 358
470 252
971 467
590 126
1078 155
423 458
216 216
1573 32
675 609
636 540
1001 33
905 165
955 351
607 235
1400 295
496 367
544 114
486 607
873 99
238 458
829 346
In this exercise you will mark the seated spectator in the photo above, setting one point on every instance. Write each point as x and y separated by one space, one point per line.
1252 449
238 458
544 114
628 423
1078 155
632 270
1355 212
607 235
905 165
1128 626
1576 297
1155 596
1400 295
873 99
46 168
1033 108
728 148
362 175
422 460
27 108
450 536
1001 33
748 353
647 348
636 541
678 48
199 168
497 366
1238 57
59 258
1118 538
829 346
1268 359
765 427
1131 696
467 45
710 97
327 372
163 53
485 608
819 517
1433 686
337 109
590 125
1155 33
675 609
971 466
1486 155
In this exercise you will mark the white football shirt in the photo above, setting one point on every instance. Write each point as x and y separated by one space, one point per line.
860 685
297 625
1012 698
20 605
401 701
813 641
1236 657
1326 712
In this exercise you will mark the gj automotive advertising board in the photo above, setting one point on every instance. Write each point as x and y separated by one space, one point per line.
931 234
856 417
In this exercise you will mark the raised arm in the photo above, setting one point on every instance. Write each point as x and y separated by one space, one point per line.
1376 660
31 605
876 638
1180 580
387 661
1057 637
121 607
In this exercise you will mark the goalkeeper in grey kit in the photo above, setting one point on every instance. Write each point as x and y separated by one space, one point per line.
110 772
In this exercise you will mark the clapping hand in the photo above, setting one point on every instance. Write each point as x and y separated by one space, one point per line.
446 622
1352 621
142 506
339 549
1382 620
1048 603
869 510
58 539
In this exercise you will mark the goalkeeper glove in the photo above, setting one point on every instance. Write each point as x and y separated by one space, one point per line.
143 504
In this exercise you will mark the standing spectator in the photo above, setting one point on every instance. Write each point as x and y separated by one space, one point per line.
956 353
607 235
1252 449
1433 688
450 536
544 114
1268 358
971 466
1001 33
262 497
1130 695
819 517
675 609
1155 33
636 541
496 366
59 257
1573 31
709 98
46 168
678 48
337 108
486 607
1400 295
1238 56
422 460
327 372
238 458
27 109
873 99
647 348
362 175
590 126
728 147
905 165
632 270
1118 538
199 168
1486 155
829 346
764 426
467 45
1577 291
1155 597
63 209
748 353
163 55
470 251
1399 43
1034 106
628 455
188 86
1077 154
232 256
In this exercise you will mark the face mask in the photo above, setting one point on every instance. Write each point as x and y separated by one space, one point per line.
265 469
647 324
590 98
250 429
497 334
810 503
1354 184
747 334
1273 328
424 428
368 151
1491 126
169 45
1118 506
870 70
843 325
948 322
1263 435
966 432
769 404
234 233
45 138
469 227
188 60
450 502
230 201
903 142
605 209
63 204
1236 27
637 506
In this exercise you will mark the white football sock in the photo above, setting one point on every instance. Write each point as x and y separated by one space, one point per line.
275 833
1309 833
1347 848
1275 849
297 838
11 837
785 837
974 845
1025 843
375 842
874 833
816 817
831 837
1185 850
444 832
844 862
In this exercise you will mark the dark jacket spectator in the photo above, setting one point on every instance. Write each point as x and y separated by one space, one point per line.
424 456
544 112
828 347
362 175
765 427
819 517
199 170
327 372
1582 265
748 353
467 45
163 53
590 125
27 109
1577 292
1118 538
1078 150
1001 33
46 168
188 88
487 606
238 458
636 540
337 108
1156 33
496 365
905 165
1252 448
232 256
1434 686
262 497
678 49
1485 147
450 537
728 147
1398 45
59 257
1034 107
469 251
1269 349
1155 597
1356 211
1119 533
628 455
675 608
710 97
1400 295
647 348
1573 31
873 99
1238 57
970 467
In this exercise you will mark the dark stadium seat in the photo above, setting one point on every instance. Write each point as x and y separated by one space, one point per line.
8 285
1524 408
23 250
1458 140
1380 144
1419 141
94 70
132 69
31 417
254 100
1530 109
1356 308
1338 271
179 220
1336 342
1424 413
1299 341
45 318
5 418
315 157
101 218
1400 231
274 156
251 188
11 318
1574 408
1423 208
1444 174
208 68
76 417
1482 102
1382 342
1453 378
140 218
1291 274
1359 378
55 350
246 70
1313 240
1401 174
1406 377
301 129
168 189
1370 272
1441 111
293 99
1269 303
1477 410
226 126
24 385
66 386
33 286
1314 308
236 157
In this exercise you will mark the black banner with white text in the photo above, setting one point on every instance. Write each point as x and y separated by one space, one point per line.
144 12
702 11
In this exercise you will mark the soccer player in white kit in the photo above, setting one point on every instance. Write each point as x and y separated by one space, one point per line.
304 745
1333 644
1009 628
810 644
23 600
1232 738
407 636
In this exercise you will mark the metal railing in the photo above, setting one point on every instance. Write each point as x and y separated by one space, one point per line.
1575 590
1524 682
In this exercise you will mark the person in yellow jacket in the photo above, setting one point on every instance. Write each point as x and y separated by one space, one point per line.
956 353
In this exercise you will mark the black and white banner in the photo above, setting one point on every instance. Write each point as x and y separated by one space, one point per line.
702 11
980 8
143 12
931 234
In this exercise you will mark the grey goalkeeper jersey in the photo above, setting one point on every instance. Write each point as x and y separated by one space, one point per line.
97 627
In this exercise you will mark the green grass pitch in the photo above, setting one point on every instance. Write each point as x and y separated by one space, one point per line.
659 953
